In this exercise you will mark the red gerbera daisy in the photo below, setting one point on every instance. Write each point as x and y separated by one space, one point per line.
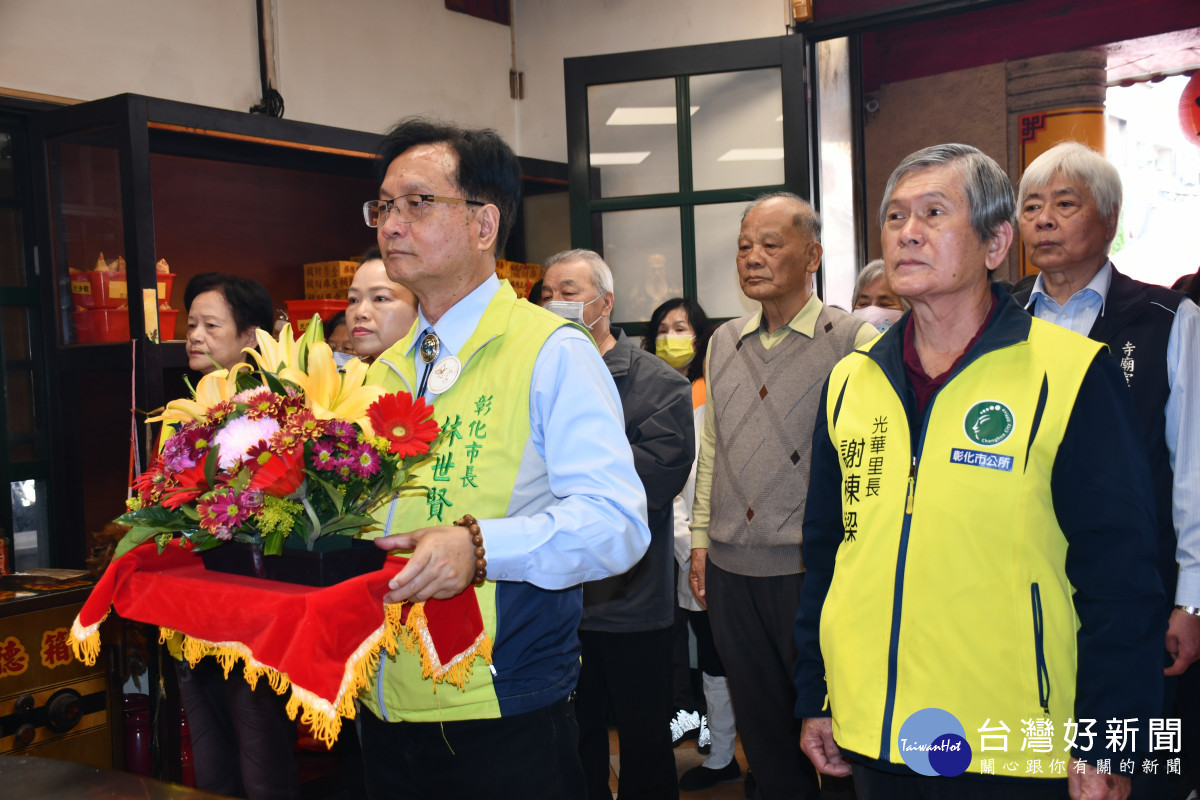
407 425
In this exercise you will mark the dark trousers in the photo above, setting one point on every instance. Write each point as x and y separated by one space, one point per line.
686 695
628 674
533 755
243 743
752 623
874 784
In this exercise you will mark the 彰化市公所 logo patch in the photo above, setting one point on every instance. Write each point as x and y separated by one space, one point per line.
988 423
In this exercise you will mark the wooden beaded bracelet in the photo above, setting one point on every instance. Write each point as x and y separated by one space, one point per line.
472 526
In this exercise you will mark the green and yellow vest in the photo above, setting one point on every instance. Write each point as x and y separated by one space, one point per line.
949 589
486 411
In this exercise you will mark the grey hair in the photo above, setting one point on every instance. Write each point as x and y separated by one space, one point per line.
602 279
988 189
868 275
1077 162
807 223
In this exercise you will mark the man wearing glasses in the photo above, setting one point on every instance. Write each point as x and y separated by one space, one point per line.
538 458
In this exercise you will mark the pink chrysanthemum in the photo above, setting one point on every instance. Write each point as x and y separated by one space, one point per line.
239 435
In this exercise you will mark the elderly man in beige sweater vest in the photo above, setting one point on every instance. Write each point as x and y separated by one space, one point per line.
765 373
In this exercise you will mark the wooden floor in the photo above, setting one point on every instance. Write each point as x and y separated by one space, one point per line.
686 757
321 776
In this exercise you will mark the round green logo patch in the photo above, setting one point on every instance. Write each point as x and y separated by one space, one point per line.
988 423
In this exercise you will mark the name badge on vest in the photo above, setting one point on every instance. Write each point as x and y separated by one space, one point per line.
444 374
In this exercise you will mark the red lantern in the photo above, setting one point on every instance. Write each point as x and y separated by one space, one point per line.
1189 109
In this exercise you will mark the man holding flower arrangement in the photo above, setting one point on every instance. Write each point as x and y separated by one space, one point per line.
531 493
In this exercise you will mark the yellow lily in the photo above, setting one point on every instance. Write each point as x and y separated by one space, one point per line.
215 387
332 394
273 354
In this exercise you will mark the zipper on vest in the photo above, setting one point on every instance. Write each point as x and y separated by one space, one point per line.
1043 674
912 486
387 530
893 663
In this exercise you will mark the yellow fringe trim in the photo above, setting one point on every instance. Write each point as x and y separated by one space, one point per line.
324 718
85 642
455 672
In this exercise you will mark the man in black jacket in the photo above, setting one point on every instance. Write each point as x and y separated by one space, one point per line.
626 631
1070 201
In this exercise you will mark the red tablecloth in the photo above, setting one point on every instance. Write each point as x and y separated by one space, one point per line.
322 642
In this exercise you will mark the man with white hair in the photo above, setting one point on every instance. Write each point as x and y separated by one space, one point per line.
1070 201
627 628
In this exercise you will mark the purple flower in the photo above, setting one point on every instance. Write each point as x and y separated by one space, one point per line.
185 449
343 431
364 461
326 454
251 499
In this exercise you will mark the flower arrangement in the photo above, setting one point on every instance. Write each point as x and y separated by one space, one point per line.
288 450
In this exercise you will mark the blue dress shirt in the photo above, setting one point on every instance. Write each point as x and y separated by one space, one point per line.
596 525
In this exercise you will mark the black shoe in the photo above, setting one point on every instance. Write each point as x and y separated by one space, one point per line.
702 777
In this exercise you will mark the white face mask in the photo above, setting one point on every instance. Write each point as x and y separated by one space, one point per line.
881 318
571 310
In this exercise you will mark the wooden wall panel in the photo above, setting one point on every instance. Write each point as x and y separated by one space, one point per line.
261 222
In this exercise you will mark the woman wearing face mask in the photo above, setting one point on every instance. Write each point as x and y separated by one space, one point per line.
223 312
678 333
874 300
337 336
380 311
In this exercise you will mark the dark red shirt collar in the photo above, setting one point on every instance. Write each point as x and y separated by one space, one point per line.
924 386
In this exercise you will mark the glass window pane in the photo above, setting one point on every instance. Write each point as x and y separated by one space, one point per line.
16 333
86 217
11 273
8 182
644 250
552 233
717 288
632 138
737 129
19 389
838 231
30 529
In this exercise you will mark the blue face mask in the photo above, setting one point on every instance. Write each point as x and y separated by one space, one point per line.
342 359
571 310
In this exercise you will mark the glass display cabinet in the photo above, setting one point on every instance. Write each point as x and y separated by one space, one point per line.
125 184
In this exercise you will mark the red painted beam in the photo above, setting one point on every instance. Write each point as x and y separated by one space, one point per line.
1005 33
